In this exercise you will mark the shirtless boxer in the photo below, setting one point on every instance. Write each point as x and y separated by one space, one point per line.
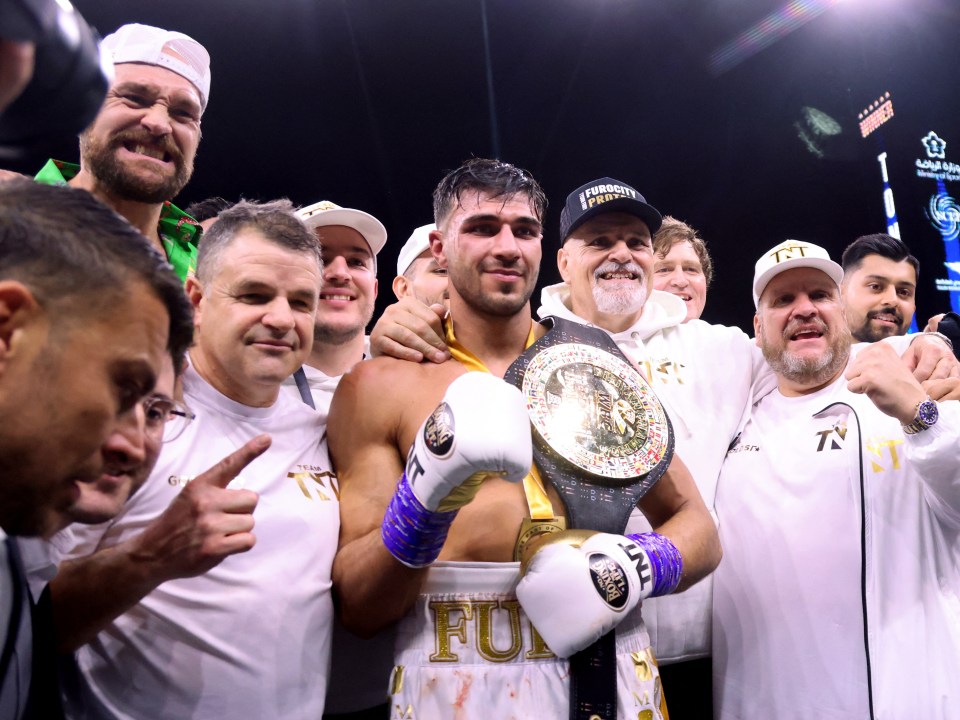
465 642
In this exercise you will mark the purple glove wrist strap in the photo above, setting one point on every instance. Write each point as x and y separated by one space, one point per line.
410 532
665 559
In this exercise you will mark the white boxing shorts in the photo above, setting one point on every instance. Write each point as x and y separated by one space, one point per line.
467 651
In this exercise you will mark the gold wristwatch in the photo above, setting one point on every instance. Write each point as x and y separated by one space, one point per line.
927 415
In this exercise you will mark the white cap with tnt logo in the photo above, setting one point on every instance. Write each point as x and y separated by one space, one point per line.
325 213
788 255
174 51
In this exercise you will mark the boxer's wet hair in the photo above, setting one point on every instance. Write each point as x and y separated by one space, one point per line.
493 177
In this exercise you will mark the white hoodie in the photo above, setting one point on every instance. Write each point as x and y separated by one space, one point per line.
703 375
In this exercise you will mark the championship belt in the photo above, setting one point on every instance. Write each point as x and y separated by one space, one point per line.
602 439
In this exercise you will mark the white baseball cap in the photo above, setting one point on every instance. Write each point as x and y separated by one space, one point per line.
174 51
788 255
414 247
324 213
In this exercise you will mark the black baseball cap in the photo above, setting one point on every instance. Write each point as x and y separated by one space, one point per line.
602 196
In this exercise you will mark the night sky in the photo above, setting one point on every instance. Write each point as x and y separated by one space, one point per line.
368 102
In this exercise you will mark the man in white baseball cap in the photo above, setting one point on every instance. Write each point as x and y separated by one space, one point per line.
349 242
418 274
838 504
138 153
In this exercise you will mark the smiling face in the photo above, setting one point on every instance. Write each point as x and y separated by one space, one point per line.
490 248
680 273
142 144
800 329
349 287
879 298
608 264
254 317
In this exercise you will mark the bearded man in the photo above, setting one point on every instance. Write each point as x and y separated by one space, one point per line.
138 153
839 506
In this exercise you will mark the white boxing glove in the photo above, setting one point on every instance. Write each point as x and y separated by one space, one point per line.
579 585
481 429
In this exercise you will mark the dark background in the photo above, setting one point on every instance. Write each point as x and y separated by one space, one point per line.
368 103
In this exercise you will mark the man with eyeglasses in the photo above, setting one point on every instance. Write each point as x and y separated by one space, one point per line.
130 454
82 296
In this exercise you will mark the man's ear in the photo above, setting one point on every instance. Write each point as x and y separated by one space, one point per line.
437 248
376 287
18 308
563 261
400 286
194 290
756 329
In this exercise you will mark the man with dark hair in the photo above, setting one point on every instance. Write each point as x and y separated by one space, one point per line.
246 613
703 374
459 502
138 153
54 264
879 287
206 211
683 267
87 312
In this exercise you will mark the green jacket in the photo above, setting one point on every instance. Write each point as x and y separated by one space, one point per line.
178 231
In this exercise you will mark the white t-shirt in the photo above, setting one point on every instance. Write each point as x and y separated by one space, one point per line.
322 387
251 637
812 485
787 593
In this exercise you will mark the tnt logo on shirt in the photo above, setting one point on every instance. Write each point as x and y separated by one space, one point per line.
664 369
832 438
885 451
316 483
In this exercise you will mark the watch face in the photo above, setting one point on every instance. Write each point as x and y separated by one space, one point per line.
928 413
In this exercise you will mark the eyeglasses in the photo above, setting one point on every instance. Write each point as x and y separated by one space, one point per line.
167 417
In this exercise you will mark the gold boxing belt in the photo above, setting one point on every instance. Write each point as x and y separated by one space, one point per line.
603 439
601 436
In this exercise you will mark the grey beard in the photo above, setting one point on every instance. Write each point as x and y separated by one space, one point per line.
624 301
811 371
